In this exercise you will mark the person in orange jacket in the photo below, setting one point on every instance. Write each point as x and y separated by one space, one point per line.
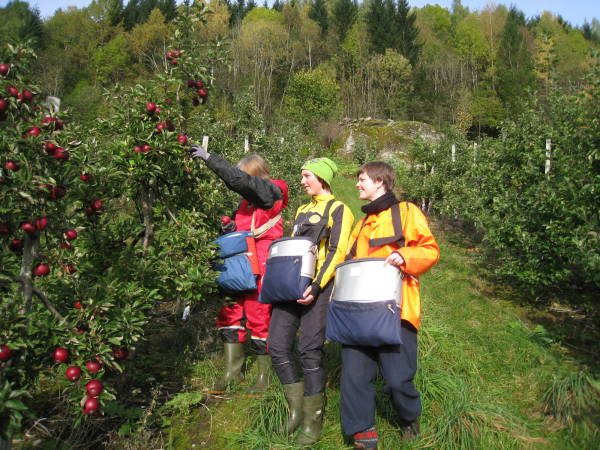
406 242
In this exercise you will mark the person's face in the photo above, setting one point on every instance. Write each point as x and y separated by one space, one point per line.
311 183
369 189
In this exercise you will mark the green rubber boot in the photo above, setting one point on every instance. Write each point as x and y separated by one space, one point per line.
264 375
234 360
294 394
312 424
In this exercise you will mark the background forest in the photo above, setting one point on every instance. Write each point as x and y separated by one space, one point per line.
310 61
491 119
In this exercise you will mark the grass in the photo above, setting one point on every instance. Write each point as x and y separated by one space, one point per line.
488 379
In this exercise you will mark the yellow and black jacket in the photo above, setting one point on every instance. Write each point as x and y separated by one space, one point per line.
332 236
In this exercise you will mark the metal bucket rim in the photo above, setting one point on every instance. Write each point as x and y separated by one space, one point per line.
358 260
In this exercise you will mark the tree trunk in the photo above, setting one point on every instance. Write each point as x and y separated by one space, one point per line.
30 252
147 201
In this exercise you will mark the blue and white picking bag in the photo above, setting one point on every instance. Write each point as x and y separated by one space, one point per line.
365 304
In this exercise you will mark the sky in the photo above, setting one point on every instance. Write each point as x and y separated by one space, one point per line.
575 12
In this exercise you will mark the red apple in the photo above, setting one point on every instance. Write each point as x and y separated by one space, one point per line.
182 139
61 355
93 367
146 148
93 388
225 220
77 305
199 84
174 62
73 373
138 149
65 246
34 131
91 406
160 127
89 211
4 68
71 234
169 101
195 101
57 192
28 227
97 205
61 154
12 91
4 228
5 352
70 269
27 95
151 107
202 92
3 105
41 270
41 223
50 147
11 165
16 245
85 177
120 353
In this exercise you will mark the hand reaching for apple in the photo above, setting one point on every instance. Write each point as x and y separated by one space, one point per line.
199 152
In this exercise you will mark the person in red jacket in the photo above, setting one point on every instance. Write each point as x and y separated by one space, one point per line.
407 243
260 212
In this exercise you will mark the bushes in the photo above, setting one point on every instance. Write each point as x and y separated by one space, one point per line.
542 229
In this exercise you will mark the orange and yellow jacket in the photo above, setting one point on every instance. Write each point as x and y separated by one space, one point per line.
376 237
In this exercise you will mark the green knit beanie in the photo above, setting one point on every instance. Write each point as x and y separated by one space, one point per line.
322 167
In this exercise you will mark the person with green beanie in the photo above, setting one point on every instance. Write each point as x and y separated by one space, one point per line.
327 222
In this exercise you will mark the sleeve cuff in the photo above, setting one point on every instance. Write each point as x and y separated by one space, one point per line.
315 290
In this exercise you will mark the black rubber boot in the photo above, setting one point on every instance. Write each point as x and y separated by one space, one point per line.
312 423
264 374
294 394
234 360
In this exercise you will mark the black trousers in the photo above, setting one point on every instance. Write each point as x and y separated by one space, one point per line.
398 366
286 319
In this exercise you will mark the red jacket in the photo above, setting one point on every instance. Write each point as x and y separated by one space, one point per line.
243 222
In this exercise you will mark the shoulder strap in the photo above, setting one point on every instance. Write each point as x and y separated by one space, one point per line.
398 235
258 232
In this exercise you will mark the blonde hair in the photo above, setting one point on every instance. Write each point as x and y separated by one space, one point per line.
254 165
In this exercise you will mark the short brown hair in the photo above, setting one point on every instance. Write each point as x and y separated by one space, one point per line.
379 171
254 165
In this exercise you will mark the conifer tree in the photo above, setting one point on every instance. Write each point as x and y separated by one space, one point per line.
277 5
344 14
515 63
318 13
379 20
406 32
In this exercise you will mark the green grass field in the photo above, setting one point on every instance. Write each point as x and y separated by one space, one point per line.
488 378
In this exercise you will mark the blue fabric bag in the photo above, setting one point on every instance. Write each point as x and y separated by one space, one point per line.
371 324
365 304
236 271
284 281
233 243
236 274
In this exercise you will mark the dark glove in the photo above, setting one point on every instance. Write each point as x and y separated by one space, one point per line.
228 228
315 290
199 152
